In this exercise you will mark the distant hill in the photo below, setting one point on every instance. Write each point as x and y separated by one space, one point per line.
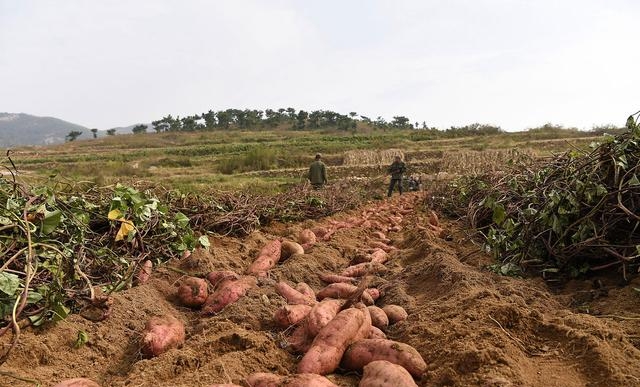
24 129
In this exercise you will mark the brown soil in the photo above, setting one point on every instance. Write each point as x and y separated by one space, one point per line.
473 327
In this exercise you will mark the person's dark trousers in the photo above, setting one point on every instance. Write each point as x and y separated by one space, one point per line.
392 184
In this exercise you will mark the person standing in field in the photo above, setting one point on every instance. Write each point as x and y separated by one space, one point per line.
396 170
318 173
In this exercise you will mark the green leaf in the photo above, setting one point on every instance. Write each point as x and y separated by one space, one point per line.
51 221
33 297
204 241
182 220
9 283
634 180
81 340
499 214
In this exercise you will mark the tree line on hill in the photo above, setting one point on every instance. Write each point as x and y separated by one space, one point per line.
242 119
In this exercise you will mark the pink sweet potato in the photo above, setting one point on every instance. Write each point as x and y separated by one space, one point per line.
300 340
193 292
307 247
144 273
365 328
363 269
216 277
288 315
365 351
321 314
376 333
379 318
161 334
224 385
228 292
261 265
306 236
290 248
381 373
264 379
373 292
320 232
307 380
337 290
324 355
395 313
306 290
334 278
293 296
379 255
272 249
77 382
267 258
383 246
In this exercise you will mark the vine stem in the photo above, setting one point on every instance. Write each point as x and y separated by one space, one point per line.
29 274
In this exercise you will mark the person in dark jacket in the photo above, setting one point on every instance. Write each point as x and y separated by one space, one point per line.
396 170
318 173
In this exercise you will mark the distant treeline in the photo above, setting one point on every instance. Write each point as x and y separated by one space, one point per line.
255 119
290 118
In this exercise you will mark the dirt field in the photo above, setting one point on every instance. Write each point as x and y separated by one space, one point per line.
472 327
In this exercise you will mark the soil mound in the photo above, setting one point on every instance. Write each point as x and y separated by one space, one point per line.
473 327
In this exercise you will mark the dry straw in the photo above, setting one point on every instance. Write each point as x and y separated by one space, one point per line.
371 157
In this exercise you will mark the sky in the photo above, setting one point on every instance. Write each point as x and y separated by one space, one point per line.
516 64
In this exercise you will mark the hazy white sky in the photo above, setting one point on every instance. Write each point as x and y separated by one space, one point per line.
512 63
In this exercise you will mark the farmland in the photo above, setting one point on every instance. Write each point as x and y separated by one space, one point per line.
475 321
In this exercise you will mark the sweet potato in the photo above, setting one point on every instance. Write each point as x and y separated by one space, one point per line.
261 265
321 314
365 328
307 246
306 236
366 298
320 232
383 246
395 313
379 235
365 351
363 269
215 277
307 380
144 273
324 355
267 258
433 219
373 292
290 248
334 278
379 318
293 296
337 290
306 290
288 315
161 334
193 292
381 373
264 379
77 382
272 249
228 292
379 255
376 333
224 385
300 340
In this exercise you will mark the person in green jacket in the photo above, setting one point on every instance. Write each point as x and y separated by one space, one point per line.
318 173
396 169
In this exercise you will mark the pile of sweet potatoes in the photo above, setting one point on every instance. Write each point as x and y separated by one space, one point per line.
337 326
